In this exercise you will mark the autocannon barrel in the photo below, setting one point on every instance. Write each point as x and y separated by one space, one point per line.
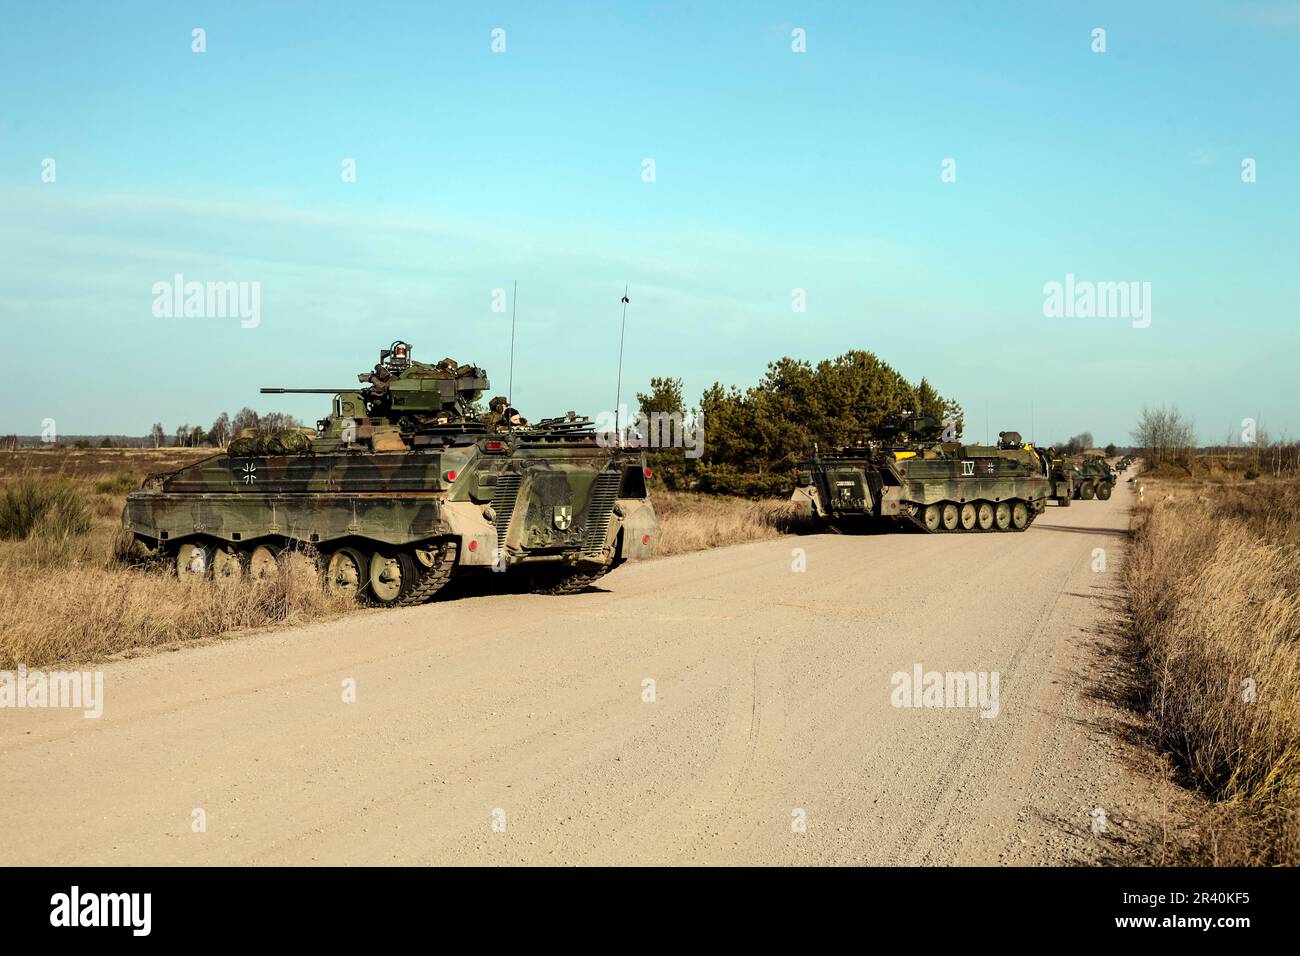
306 391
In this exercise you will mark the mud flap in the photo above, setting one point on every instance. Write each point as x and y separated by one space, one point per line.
478 537
639 528
805 502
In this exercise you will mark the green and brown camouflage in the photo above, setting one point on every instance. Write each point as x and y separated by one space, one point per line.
1096 479
401 485
903 474
1062 475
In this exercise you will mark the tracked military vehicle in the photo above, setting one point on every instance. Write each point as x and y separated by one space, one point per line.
1062 475
402 485
902 473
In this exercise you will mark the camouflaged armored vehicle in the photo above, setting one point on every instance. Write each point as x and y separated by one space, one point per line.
1096 479
1062 475
902 473
402 485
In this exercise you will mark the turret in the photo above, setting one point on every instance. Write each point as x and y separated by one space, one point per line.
402 394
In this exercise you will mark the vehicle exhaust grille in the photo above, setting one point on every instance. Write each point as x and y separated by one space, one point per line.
503 504
598 511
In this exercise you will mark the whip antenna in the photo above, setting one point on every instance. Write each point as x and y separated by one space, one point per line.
510 383
619 397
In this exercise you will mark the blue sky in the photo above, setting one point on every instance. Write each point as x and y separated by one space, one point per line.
774 170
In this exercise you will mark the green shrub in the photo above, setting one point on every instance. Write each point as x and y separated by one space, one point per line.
725 480
51 506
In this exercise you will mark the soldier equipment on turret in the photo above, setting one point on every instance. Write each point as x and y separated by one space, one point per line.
401 396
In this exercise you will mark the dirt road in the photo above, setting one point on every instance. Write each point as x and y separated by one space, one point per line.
770 737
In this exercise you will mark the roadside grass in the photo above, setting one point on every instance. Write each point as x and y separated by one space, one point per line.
695 522
1214 581
74 588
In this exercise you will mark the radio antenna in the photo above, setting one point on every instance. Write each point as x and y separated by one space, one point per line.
619 397
510 383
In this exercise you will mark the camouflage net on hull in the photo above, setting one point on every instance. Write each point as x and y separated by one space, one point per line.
282 443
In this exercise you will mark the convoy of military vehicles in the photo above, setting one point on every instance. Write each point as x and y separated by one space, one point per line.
407 482
905 472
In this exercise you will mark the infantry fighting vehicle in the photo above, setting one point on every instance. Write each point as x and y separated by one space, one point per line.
1062 475
904 474
1097 480
400 486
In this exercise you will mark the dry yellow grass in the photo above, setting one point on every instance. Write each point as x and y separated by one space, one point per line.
84 597
66 598
1214 578
98 463
691 522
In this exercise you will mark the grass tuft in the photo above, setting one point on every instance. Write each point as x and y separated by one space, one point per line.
51 507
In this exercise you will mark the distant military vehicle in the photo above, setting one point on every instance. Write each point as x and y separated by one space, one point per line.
904 473
1097 479
402 484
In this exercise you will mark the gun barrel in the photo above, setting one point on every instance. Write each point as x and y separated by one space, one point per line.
306 391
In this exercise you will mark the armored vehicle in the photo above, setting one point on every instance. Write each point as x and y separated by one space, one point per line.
1097 480
1062 475
402 484
903 473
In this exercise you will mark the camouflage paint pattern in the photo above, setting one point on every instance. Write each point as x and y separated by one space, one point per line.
402 483
1062 475
537 498
915 485
1096 479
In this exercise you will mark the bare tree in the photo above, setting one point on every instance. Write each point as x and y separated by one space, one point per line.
220 432
1164 434
244 418
157 434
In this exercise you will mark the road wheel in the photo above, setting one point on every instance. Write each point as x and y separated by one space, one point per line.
1088 491
933 517
392 574
346 573
968 517
1104 490
262 562
193 559
1002 515
984 515
950 517
1019 516
226 563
